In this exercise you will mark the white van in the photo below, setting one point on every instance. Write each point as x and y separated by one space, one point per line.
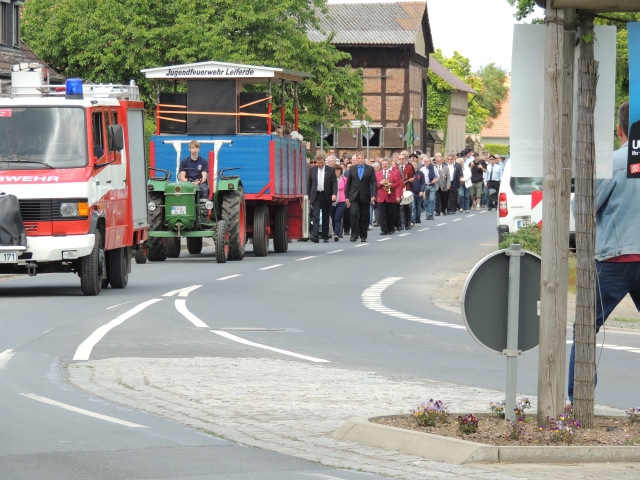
514 203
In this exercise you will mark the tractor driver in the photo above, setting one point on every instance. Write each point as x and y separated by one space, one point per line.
194 169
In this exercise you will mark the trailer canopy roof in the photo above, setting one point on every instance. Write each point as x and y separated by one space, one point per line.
222 70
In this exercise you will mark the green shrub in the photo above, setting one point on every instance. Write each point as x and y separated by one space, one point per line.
529 238
497 148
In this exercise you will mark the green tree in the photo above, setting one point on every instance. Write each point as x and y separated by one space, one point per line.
493 90
111 40
524 8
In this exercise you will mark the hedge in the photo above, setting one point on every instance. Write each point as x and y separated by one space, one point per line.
497 148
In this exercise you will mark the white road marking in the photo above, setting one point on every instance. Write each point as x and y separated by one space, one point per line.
614 347
335 251
372 299
270 267
304 258
423 230
181 306
265 347
46 331
5 357
120 304
456 220
440 224
71 408
84 350
404 234
483 211
182 292
472 215
361 245
384 239
230 276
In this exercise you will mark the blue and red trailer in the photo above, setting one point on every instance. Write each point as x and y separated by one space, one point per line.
221 102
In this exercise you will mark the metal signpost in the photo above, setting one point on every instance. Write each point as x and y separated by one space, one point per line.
321 129
368 134
510 323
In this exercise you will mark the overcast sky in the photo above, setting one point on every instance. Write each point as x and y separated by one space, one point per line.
481 30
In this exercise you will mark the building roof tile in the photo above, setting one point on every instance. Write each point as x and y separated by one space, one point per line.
501 125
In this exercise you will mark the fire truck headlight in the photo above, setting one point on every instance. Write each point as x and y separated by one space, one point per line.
152 206
208 205
69 209
69 254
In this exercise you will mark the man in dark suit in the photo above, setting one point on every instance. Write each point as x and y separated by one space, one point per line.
362 189
322 188
456 174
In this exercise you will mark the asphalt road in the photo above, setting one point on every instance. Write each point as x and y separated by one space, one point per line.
307 302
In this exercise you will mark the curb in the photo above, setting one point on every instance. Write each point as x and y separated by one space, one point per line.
452 450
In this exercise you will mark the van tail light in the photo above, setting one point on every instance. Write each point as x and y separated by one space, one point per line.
502 208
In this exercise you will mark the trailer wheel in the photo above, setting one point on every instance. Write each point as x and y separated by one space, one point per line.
157 246
234 214
281 229
261 231
118 267
173 247
222 242
140 255
90 281
194 245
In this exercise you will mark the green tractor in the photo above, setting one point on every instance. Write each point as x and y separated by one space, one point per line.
176 210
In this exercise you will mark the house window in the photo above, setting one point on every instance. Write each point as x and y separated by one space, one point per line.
16 26
3 24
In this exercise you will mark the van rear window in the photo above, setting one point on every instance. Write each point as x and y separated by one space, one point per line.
526 185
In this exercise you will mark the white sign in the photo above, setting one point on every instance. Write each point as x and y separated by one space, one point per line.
210 70
527 100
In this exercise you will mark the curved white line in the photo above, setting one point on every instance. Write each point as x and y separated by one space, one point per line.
372 299
265 347
5 357
84 350
181 306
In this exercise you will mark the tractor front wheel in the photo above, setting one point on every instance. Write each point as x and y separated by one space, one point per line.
194 245
281 229
173 247
233 212
156 246
222 242
140 255
261 231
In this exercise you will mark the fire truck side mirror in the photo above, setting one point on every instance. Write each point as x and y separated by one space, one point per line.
115 137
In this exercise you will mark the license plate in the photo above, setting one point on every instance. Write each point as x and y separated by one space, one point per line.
179 210
523 223
9 257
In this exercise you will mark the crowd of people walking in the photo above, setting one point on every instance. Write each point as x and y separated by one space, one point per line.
353 195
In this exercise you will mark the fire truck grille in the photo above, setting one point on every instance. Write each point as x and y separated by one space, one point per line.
39 209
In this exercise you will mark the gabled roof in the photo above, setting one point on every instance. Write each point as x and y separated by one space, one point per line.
12 56
449 77
501 124
372 23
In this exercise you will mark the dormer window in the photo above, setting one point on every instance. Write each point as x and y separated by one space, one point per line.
16 26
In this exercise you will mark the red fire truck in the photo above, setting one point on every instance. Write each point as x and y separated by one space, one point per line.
72 180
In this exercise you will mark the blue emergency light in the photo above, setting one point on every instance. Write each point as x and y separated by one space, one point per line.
74 89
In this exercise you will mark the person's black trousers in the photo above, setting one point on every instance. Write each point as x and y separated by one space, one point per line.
444 200
321 204
453 200
405 210
495 185
359 212
387 217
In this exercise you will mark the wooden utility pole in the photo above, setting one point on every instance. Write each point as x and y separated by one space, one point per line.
585 215
558 120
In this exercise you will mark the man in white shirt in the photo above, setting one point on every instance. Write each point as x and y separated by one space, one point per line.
492 177
322 188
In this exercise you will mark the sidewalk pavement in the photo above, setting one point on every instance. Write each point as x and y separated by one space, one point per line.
294 407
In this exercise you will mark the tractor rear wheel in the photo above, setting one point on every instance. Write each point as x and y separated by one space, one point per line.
157 246
234 213
222 242
173 247
261 231
90 278
118 262
194 245
281 229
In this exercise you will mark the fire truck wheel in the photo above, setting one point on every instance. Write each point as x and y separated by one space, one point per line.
194 245
173 247
222 242
281 229
90 281
156 246
234 213
261 231
118 267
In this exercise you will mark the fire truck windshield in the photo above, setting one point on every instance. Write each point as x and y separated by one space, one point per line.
54 137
